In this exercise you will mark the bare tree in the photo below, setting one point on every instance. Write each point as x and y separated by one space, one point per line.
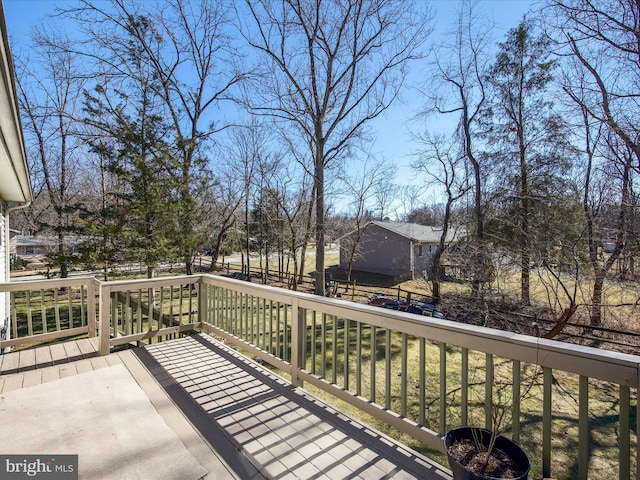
50 93
604 38
443 166
331 67
601 45
460 65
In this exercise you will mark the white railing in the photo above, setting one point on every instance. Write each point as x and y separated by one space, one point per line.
570 407
46 310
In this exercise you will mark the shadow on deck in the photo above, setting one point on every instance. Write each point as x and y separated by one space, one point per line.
284 432
254 424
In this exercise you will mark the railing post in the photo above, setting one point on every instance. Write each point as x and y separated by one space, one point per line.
91 308
202 302
297 339
104 328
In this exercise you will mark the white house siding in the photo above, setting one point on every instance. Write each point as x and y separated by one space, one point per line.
392 253
4 274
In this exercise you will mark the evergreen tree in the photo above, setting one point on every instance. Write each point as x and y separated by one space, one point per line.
142 209
527 140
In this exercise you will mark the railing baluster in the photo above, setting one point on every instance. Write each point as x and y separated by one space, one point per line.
279 331
323 347
373 342
624 439
287 332
488 392
358 358
56 307
271 326
43 312
442 427
70 304
29 316
334 350
127 327
387 369
264 324
546 421
242 308
403 372
83 310
139 312
228 312
314 341
464 386
114 314
161 311
422 381
583 428
515 398
347 347
211 302
181 302
255 325
14 315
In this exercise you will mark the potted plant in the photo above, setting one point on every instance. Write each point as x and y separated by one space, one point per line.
476 453
480 454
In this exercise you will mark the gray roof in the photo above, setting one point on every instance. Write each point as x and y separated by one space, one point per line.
45 240
415 232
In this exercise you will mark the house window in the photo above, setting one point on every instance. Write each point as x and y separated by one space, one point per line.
419 250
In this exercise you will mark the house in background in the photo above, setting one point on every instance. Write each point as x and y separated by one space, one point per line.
398 249
15 187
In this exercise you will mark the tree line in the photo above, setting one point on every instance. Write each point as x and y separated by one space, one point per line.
157 129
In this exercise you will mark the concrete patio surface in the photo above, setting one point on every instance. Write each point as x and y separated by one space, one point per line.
99 412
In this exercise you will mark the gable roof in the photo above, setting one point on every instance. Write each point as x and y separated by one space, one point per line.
413 231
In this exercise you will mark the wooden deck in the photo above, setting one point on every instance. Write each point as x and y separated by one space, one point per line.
48 355
254 423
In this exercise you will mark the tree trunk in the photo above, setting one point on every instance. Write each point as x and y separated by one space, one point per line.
596 299
319 182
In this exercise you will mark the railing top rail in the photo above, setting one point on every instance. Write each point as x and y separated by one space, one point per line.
21 285
582 360
277 294
135 284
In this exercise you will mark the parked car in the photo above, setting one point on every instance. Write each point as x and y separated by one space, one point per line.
413 306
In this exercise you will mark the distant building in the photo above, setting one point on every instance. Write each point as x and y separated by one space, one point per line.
36 247
398 249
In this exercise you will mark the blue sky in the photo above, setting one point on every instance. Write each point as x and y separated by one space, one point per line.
391 137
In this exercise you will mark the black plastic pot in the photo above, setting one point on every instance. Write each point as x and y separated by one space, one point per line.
460 472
